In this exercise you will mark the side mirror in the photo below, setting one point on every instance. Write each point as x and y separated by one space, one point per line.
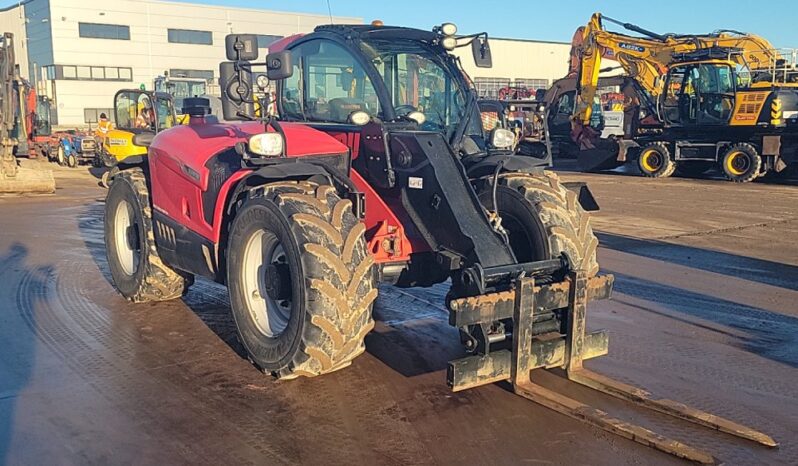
480 48
235 82
279 65
143 139
241 47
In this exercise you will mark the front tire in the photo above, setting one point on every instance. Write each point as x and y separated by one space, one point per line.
72 161
138 271
543 220
301 279
741 163
655 161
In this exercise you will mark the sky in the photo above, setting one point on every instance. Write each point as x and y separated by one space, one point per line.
556 20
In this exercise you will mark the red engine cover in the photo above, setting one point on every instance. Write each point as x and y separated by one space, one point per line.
177 159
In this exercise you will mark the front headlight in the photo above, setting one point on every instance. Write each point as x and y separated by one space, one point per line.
448 29
266 144
502 138
449 43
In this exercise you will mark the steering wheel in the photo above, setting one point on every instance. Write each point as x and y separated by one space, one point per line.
404 109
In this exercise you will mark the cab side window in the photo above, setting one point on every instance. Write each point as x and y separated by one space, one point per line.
328 85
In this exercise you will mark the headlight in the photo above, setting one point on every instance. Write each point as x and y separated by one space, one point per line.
418 117
502 138
266 144
449 43
359 118
262 81
448 29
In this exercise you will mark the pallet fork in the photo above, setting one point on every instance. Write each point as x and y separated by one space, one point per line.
568 351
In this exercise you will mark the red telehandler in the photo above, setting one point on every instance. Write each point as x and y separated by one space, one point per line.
378 171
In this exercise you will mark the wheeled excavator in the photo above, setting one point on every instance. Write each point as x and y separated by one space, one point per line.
726 98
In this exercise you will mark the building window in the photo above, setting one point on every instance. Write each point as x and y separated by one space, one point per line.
104 31
186 36
92 115
88 73
199 74
265 40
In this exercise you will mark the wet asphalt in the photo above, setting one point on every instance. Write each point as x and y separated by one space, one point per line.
705 311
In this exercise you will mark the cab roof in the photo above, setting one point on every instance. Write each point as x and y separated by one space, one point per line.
368 31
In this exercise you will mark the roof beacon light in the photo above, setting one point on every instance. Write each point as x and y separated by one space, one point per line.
448 29
377 23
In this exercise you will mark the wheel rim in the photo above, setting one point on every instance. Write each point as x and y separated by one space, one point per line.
60 155
126 238
651 160
738 163
267 283
520 239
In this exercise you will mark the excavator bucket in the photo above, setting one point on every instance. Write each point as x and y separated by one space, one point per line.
603 157
567 351
26 181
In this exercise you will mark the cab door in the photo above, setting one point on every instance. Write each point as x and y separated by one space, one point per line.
680 98
716 89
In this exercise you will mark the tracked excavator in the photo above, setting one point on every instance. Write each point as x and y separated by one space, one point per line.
376 171
726 99
15 130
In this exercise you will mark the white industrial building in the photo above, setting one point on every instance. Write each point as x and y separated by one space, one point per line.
79 53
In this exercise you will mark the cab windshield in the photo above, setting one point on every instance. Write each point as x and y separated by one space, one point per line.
418 79
180 89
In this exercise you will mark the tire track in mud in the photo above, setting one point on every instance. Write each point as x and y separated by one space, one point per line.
80 334
94 330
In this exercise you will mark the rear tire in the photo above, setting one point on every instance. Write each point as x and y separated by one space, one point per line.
655 161
301 279
138 271
741 163
543 219
60 157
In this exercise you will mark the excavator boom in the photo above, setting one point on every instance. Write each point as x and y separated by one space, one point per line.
647 58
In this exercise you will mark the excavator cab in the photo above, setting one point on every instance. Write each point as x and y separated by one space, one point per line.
699 93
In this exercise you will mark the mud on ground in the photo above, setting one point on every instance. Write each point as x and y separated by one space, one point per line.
704 312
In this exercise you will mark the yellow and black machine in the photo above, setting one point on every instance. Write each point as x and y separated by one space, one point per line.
139 116
725 99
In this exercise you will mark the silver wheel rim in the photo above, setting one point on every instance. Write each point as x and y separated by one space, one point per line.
269 315
126 238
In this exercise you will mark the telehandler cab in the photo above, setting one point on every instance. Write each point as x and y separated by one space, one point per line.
378 170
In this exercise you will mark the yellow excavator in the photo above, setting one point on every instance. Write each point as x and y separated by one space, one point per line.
726 98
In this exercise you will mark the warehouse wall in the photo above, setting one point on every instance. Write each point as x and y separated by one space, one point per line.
524 61
12 19
148 51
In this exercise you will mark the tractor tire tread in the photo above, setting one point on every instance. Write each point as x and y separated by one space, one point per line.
160 282
567 223
338 273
